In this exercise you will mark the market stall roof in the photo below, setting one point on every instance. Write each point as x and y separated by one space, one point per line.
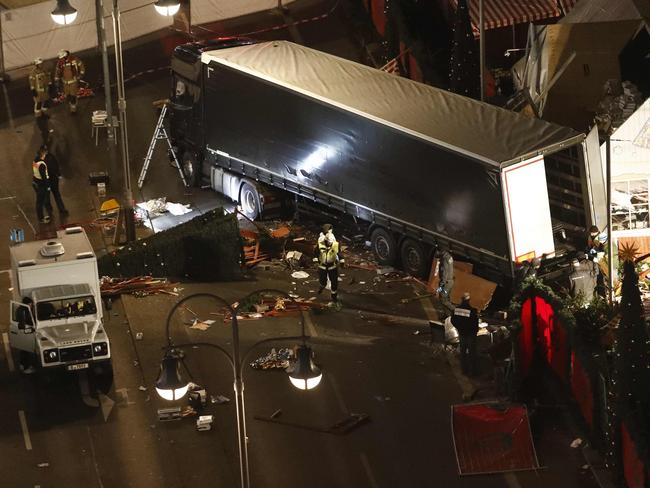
503 13
487 133
14 4
608 11
630 145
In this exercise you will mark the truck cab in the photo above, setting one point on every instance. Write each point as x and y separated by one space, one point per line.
56 317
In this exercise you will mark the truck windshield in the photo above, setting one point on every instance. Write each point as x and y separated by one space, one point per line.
65 308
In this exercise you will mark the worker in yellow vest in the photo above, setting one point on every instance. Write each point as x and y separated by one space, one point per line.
328 258
41 184
39 83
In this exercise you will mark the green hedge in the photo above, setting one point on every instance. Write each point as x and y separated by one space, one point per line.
206 248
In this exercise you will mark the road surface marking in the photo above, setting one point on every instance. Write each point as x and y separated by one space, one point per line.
309 323
366 466
92 452
10 358
23 426
29 222
107 404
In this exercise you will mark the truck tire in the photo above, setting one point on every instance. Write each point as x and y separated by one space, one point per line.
413 257
383 246
249 201
190 168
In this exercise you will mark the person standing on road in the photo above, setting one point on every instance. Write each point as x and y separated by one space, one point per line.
54 172
68 73
41 185
465 319
328 259
39 83
446 271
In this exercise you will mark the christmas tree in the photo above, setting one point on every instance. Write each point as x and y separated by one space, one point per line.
464 72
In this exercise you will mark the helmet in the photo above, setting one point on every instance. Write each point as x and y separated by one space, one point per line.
63 53
38 61
326 228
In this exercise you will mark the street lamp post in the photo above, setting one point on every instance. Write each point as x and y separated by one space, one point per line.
170 385
127 207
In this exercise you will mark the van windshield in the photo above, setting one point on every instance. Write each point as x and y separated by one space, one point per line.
65 308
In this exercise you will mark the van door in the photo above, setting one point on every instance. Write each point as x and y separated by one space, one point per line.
21 329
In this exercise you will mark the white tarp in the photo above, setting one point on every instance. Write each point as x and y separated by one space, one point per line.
29 32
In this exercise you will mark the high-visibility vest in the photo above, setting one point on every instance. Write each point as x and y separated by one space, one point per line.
328 256
36 166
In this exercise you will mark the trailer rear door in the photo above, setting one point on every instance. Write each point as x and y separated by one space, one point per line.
528 214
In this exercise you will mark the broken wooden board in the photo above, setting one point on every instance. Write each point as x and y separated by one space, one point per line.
480 289
342 427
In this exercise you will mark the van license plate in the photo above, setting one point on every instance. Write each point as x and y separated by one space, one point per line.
74 367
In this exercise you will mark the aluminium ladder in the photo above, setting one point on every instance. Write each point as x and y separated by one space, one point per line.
159 134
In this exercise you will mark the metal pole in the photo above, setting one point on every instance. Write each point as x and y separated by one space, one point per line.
2 52
610 241
101 43
127 205
481 48
239 404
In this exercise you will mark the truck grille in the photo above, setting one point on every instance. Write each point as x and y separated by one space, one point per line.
76 353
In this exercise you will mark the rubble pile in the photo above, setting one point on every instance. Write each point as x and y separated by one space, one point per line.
620 100
274 359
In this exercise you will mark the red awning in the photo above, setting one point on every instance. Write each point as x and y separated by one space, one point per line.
502 13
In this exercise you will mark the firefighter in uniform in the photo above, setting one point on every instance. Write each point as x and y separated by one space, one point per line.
465 319
328 259
69 72
39 83
41 184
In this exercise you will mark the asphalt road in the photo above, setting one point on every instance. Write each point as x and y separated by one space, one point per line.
70 431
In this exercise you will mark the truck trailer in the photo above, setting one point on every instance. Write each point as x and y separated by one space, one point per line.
56 318
423 167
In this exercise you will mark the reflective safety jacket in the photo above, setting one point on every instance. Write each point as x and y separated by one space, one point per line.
39 80
328 256
69 69
39 171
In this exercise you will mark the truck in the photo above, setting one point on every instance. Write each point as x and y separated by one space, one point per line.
56 318
424 168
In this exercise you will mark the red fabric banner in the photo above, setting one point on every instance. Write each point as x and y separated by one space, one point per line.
633 468
526 337
582 390
378 15
492 438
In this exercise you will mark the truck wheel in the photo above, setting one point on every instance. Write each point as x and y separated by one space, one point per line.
383 246
190 168
249 201
413 258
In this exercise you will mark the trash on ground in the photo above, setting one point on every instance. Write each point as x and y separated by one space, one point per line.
300 275
197 397
139 336
382 270
577 442
43 465
274 359
219 399
201 324
171 413
142 388
178 209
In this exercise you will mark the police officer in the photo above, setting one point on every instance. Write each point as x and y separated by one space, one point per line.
328 260
68 73
41 185
54 173
39 83
465 319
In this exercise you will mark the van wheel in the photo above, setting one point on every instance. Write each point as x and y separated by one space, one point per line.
190 168
249 201
383 246
413 258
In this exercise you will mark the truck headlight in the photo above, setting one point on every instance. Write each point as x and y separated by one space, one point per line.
100 349
51 355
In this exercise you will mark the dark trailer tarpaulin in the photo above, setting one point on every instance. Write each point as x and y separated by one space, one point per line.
426 159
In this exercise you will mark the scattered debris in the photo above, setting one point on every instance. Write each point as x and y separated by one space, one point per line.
577 442
300 275
274 360
171 413
43 465
140 286
219 399
416 297
201 324
139 336
276 414
142 388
